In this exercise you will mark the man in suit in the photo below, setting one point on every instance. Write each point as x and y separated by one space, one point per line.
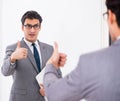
19 60
97 74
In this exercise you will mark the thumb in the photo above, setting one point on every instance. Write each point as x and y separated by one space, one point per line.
18 44
54 59
55 47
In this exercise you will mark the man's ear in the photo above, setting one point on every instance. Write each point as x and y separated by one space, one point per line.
111 17
22 27
40 28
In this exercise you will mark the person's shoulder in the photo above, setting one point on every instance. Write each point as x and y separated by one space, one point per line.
45 44
13 46
96 53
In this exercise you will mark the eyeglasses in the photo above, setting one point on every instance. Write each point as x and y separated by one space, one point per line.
29 26
105 15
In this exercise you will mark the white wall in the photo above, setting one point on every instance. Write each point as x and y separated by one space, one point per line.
1 51
76 25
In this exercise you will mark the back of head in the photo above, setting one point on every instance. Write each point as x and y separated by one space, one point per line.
114 6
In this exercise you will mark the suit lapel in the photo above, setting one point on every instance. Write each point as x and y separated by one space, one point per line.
43 54
30 55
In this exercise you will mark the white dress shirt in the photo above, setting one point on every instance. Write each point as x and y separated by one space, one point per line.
31 48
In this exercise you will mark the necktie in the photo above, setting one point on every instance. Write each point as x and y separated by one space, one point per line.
36 56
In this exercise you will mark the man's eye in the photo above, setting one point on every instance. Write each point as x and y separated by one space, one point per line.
29 26
36 26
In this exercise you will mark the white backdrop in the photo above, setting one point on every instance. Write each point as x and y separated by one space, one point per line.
77 26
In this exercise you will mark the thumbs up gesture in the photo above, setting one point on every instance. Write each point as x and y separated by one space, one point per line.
57 59
19 53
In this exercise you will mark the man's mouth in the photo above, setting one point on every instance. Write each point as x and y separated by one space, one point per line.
32 35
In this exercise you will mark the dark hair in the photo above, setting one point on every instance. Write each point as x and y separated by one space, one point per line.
31 15
114 6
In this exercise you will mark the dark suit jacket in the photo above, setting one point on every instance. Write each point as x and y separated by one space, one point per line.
24 71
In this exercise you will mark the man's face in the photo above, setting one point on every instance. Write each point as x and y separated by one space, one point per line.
31 29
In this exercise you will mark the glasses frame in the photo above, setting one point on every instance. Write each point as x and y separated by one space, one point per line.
105 15
29 26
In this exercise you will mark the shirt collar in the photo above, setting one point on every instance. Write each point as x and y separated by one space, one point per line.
29 43
118 37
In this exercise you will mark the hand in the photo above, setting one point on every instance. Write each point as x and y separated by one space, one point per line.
42 90
57 59
19 53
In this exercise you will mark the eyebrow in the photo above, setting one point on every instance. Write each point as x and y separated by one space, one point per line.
31 24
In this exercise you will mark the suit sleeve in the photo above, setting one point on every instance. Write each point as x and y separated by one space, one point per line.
62 89
7 67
